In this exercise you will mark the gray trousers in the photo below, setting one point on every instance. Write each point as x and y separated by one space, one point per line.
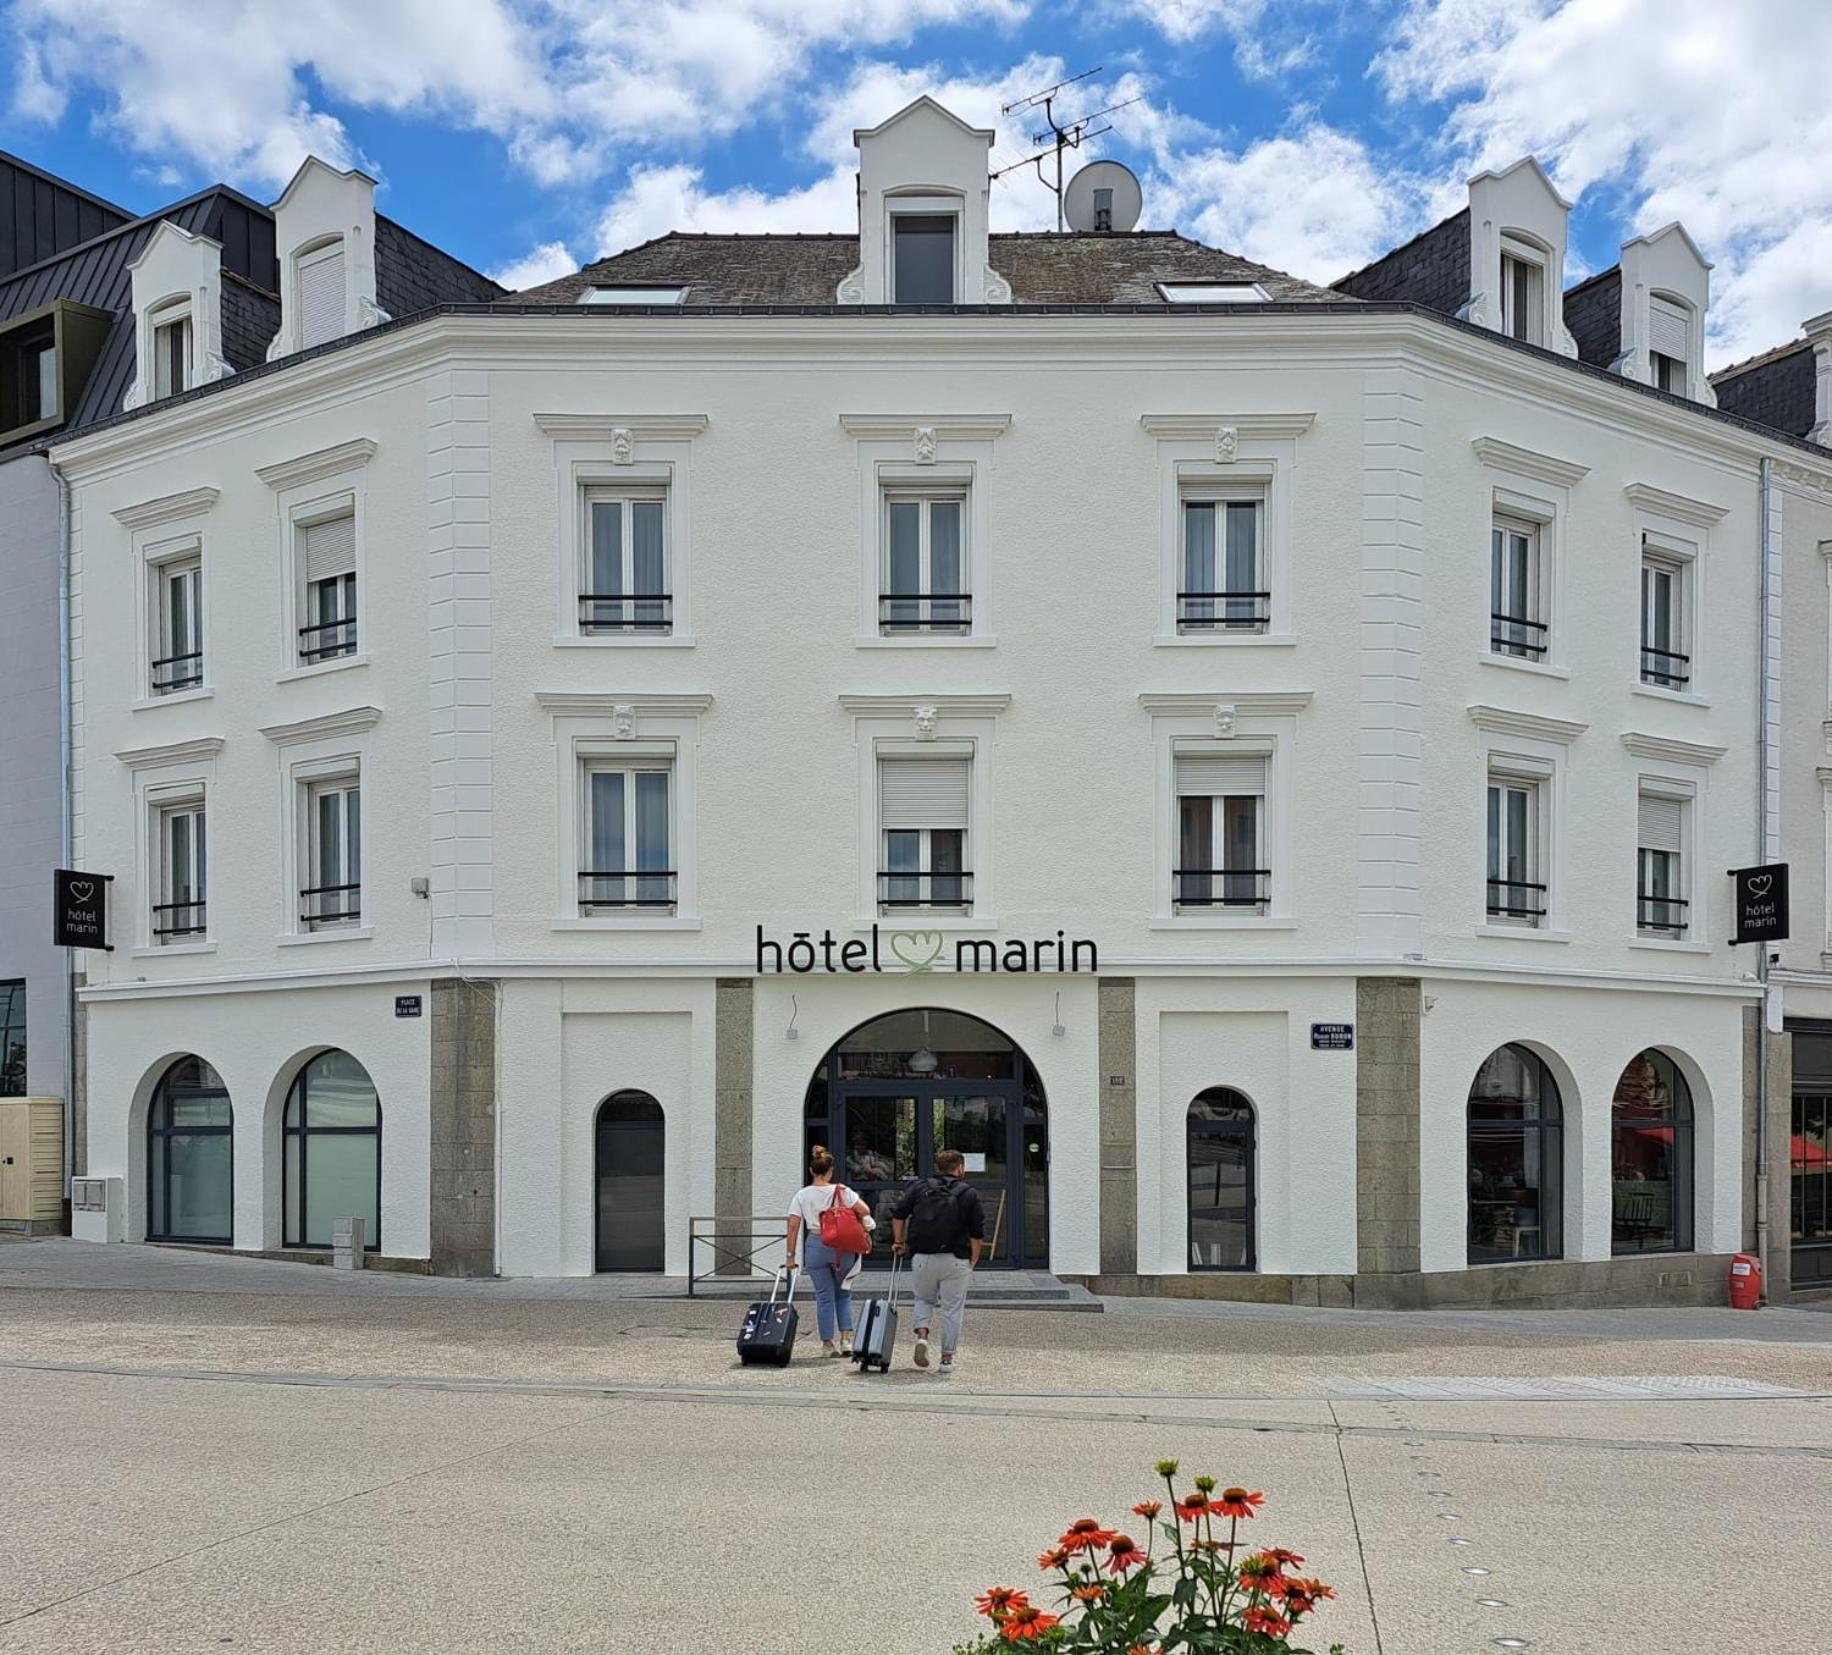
939 1278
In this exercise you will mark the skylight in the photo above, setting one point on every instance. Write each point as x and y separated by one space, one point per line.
1212 293
632 295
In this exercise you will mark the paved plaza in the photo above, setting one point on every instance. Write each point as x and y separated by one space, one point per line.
209 1453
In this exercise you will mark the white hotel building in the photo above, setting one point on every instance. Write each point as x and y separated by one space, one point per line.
1357 692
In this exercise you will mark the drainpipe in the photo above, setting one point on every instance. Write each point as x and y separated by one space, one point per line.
1765 829
66 809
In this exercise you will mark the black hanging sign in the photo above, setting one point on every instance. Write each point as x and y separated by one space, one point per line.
80 919
1761 903
1332 1037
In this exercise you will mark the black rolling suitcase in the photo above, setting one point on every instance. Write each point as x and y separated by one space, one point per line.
768 1333
877 1334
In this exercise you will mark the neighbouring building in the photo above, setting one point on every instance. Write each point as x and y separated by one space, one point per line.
1251 764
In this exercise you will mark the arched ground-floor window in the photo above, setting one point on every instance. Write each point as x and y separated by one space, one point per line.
190 1158
1650 1158
1220 1152
1516 1159
333 1152
631 1144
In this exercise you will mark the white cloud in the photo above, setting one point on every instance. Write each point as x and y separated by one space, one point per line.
545 263
658 199
1715 114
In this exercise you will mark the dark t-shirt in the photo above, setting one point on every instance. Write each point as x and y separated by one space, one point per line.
969 1215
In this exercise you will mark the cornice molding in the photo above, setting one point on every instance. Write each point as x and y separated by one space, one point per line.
1203 427
641 427
171 752
987 704
352 721
1503 721
323 462
946 427
591 705
1525 462
1670 749
1178 703
168 508
1804 476
1663 503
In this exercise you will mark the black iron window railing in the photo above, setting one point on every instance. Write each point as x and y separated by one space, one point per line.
924 890
325 639
1663 916
614 888
1517 899
330 905
1516 635
1665 668
626 612
178 672
1222 887
177 919
1223 611
925 611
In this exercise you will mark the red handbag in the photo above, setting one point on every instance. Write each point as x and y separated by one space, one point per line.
841 1229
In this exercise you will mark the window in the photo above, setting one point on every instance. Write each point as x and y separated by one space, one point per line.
633 296
1810 1178
1669 343
628 838
171 353
333 1153
922 824
178 654
1523 301
1212 293
922 251
1221 834
327 564
924 578
1651 1158
182 886
1223 584
1664 661
190 1166
1219 1145
28 375
1660 886
12 1039
626 555
321 296
1516 884
331 893
1516 1159
1515 590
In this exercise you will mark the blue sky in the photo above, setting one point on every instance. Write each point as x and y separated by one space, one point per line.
528 136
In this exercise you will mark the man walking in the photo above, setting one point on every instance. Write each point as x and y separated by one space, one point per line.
941 1225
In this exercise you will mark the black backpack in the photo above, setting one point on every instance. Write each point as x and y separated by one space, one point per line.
934 1224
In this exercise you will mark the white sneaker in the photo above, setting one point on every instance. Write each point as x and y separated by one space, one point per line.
920 1355
946 1369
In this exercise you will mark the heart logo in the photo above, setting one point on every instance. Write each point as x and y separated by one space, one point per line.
82 889
1760 884
917 949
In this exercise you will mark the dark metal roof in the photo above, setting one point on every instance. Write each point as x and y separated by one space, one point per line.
42 215
1045 267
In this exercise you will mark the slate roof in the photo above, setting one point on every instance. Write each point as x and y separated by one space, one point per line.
1774 389
1043 267
1593 313
1431 269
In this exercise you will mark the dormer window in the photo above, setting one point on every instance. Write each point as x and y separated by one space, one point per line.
633 296
321 295
922 258
171 350
1669 344
1523 295
28 375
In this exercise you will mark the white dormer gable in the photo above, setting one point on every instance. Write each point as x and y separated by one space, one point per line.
1818 330
324 234
1517 228
1666 286
178 315
924 193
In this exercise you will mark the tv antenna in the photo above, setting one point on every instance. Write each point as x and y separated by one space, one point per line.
1056 137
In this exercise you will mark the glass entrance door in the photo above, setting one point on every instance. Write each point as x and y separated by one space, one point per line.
631 1155
979 1126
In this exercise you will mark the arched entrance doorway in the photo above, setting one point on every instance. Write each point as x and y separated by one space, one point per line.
897 1089
631 1143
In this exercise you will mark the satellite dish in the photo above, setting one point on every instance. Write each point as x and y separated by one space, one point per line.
1103 196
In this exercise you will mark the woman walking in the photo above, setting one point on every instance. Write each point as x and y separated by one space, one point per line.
829 1269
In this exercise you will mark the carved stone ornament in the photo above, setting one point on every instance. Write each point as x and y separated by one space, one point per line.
1227 444
623 721
925 723
623 445
925 445
1224 720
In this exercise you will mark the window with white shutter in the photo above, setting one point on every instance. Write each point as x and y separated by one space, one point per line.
326 555
321 296
1669 343
1221 833
1660 899
922 827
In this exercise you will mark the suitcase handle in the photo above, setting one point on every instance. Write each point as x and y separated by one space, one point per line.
776 1281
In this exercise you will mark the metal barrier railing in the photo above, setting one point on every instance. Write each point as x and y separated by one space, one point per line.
736 1245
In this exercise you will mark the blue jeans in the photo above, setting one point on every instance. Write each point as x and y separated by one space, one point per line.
832 1302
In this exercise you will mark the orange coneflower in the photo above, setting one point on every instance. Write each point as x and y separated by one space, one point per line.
1028 1622
1302 1596
1264 1620
1237 1502
998 1601
1148 1509
1091 1593
1192 1506
1123 1553
1283 1558
1085 1535
1260 1573
1057 1557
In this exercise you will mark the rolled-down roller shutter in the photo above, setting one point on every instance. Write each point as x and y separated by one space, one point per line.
1219 773
1670 329
329 548
923 793
1659 826
321 298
